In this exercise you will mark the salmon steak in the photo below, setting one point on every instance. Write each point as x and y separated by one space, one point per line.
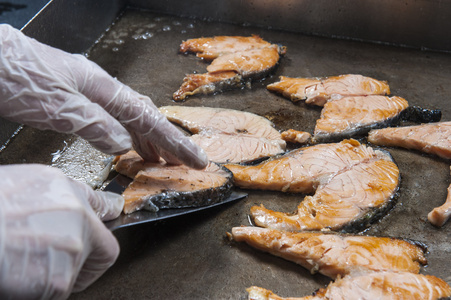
318 91
332 254
432 138
234 61
352 116
227 135
353 185
440 215
159 185
369 286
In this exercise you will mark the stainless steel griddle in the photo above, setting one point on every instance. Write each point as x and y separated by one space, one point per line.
189 257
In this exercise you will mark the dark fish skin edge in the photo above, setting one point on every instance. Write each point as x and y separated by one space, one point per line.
421 115
174 199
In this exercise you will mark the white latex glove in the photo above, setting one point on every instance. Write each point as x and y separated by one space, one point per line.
52 243
47 88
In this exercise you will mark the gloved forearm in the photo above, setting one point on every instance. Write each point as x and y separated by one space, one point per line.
47 88
52 243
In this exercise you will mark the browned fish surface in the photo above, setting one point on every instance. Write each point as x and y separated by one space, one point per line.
370 286
440 215
433 138
318 91
233 60
350 116
158 185
228 135
296 136
335 254
353 182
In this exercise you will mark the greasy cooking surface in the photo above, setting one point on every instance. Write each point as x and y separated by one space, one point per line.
190 257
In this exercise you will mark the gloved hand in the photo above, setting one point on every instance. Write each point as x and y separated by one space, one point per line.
47 88
52 242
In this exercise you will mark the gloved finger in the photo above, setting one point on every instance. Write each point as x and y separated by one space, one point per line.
143 120
104 248
104 252
107 205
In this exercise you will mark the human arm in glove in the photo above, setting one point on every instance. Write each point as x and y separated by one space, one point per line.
52 240
47 88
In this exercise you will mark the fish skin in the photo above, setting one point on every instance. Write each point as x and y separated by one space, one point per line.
385 285
432 138
235 61
335 255
159 185
352 116
333 172
318 91
247 135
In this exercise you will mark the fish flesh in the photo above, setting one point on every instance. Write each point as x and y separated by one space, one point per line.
353 184
335 255
369 286
235 60
296 136
159 185
432 138
318 91
227 135
440 215
352 116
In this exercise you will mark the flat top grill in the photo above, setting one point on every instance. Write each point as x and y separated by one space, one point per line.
190 257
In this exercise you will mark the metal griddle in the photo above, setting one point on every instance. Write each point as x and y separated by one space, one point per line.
189 257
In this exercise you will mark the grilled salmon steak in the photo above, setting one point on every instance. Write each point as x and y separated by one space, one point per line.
432 138
387 285
332 254
351 116
353 184
318 91
159 185
440 215
234 59
227 135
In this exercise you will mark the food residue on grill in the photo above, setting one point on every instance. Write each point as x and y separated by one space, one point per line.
234 59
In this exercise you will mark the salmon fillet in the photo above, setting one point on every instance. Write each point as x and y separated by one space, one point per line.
433 138
234 59
352 182
334 255
159 185
370 286
440 215
228 135
350 116
318 91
